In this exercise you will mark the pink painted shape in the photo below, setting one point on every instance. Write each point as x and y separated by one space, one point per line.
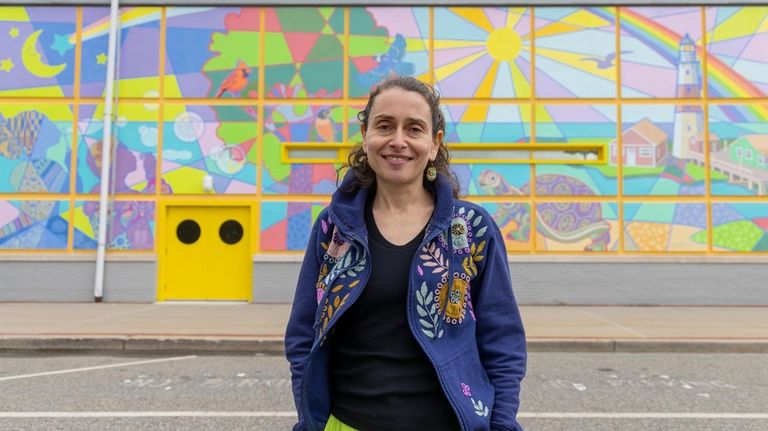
239 187
497 16
364 64
168 166
396 20
575 114
680 20
731 48
272 22
247 20
209 139
8 213
761 222
136 176
464 83
445 56
652 80
323 172
757 50
300 44
273 238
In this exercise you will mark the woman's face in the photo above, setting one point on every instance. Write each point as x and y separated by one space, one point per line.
398 140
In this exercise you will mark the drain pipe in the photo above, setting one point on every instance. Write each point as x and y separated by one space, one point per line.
106 150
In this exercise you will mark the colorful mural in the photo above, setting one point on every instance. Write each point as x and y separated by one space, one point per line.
35 148
659 227
34 224
131 225
135 141
38 57
285 226
263 100
219 141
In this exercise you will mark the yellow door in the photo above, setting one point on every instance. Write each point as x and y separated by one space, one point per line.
207 254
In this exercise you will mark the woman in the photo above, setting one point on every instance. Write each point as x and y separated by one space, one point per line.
404 316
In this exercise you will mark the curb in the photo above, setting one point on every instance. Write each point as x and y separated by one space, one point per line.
711 345
263 346
275 345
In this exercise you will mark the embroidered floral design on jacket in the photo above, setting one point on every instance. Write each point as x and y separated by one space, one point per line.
429 319
480 408
343 277
452 299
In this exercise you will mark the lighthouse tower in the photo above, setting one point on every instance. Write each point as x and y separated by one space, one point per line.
688 118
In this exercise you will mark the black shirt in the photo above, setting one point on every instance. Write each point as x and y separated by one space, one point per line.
380 377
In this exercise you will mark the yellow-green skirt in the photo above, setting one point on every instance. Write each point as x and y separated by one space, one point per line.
337 425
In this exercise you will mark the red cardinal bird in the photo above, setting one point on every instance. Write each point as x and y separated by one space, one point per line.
236 81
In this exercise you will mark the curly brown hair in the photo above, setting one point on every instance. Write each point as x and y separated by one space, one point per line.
358 160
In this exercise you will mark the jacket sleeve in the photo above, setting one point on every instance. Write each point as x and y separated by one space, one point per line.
500 335
300 334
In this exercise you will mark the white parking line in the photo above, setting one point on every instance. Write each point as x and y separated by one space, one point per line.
640 415
625 328
291 414
147 414
98 367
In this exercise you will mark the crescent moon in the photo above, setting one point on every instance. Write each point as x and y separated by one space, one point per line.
31 59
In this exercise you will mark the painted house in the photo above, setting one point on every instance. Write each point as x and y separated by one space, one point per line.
644 144
750 151
697 145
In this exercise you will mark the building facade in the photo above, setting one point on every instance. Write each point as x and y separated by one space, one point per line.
621 149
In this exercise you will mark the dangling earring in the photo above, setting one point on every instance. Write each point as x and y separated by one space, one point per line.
431 172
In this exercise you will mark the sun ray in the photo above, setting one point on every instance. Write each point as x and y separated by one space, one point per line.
485 89
556 28
543 115
742 23
585 19
449 69
447 44
475 16
475 113
514 15
519 81
576 61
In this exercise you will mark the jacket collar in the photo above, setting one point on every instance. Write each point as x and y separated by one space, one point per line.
346 209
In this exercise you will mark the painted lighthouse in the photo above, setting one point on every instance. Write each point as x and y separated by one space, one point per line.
689 120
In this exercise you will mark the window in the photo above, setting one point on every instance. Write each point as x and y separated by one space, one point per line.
739 152
646 152
749 155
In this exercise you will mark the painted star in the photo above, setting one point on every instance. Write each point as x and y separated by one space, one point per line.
101 58
6 65
61 43
14 33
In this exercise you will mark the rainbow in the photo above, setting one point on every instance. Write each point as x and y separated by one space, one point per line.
131 17
723 81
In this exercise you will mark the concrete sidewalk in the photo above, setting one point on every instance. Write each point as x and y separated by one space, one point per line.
258 328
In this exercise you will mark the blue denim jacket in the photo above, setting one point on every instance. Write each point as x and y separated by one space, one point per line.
461 309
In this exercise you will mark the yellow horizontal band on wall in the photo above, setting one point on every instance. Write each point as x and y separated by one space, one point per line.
551 153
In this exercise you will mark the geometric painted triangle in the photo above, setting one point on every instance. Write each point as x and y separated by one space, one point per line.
300 44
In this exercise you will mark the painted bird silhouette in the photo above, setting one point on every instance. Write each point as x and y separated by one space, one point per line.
236 81
604 62
391 62
324 126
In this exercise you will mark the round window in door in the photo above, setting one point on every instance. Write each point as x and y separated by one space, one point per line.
231 232
188 231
